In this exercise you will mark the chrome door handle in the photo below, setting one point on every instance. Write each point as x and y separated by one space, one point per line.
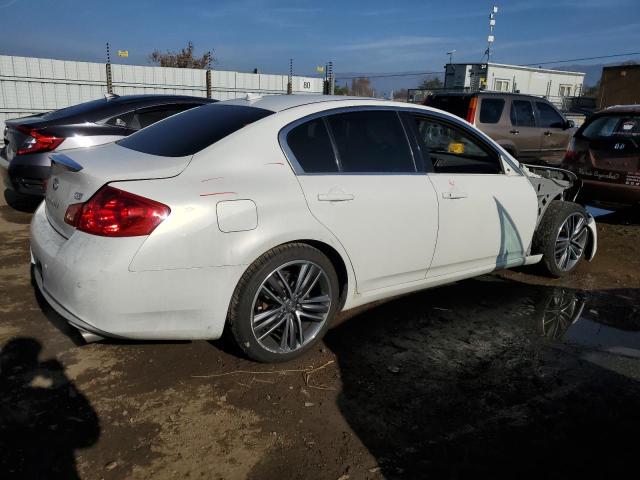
335 197
548 133
454 195
515 132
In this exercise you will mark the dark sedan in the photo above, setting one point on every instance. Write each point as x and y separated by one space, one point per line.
28 141
605 154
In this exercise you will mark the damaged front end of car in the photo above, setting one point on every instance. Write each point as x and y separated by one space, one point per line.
551 183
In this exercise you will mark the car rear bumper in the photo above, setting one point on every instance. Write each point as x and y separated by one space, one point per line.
26 174
87 280
605 194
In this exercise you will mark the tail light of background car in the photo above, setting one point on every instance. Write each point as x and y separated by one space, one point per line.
37 141
115 213
571 155
471 112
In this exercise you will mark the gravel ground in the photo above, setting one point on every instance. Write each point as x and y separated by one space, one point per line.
510 375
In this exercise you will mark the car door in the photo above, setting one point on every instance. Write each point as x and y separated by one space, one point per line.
524 132
487 208
358 175
555 134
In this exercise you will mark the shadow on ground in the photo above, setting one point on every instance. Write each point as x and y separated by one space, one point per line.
44 419
494 378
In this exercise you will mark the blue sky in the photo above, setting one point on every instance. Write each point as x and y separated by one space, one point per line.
359 36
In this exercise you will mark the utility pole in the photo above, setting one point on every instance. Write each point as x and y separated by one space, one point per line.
109 77
491 38
290 81
332 84
208 74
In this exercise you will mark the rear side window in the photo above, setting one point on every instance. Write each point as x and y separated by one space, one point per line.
549 118
311 145
371 141
491 110
193 130
148 116
522 114
456 104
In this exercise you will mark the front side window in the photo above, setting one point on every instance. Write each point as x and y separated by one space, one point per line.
452 150
311 145
549 118
522 114
491 110
371 141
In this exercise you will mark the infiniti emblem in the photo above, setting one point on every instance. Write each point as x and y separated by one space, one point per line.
56 182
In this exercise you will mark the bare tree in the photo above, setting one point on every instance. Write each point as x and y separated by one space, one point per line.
431 84
361 87
182 59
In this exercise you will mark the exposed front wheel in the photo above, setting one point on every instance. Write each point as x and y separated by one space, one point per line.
562 237
284 303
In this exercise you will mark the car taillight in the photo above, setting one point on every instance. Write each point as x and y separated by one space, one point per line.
471 112
571 155
37 141
115 213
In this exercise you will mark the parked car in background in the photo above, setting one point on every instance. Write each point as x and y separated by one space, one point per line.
267 216
605 154
530 128
28 141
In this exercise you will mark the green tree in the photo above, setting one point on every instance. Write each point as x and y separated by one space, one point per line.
183 59
338 90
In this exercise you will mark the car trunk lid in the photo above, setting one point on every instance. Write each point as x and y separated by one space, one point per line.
77 175
615 153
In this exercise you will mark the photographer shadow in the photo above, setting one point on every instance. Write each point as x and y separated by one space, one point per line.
44 419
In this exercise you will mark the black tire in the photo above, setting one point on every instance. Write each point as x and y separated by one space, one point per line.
242 303
546 235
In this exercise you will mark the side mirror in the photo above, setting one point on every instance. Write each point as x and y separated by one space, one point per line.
569 124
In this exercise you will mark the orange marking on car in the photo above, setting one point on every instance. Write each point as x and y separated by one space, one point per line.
217 193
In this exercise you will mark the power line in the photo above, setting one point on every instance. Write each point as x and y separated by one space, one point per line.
404 74
583 59
408 74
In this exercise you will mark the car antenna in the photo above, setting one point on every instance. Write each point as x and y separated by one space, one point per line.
110 96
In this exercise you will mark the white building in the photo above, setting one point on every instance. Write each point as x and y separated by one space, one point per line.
552 84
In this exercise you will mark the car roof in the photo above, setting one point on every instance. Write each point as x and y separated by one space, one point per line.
487 93
154 98
278 103
621 109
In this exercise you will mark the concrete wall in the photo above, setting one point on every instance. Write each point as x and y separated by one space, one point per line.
35 85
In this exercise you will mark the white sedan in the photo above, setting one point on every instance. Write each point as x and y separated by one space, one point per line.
270 215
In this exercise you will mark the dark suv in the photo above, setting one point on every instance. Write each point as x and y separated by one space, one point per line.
529 128
605 154
28 141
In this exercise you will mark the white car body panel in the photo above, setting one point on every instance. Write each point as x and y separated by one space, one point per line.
395 214
239 198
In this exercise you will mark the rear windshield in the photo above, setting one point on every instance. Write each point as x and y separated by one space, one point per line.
456 104
612 126
191 131
81 109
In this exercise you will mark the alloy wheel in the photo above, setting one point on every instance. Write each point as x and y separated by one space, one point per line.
291 306
571 241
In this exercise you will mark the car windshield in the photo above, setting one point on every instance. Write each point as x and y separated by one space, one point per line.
613 126
191 131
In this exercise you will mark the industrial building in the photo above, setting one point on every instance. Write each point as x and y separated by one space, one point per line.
551 84
619 85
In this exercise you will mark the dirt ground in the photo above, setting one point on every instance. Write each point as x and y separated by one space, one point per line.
510 376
